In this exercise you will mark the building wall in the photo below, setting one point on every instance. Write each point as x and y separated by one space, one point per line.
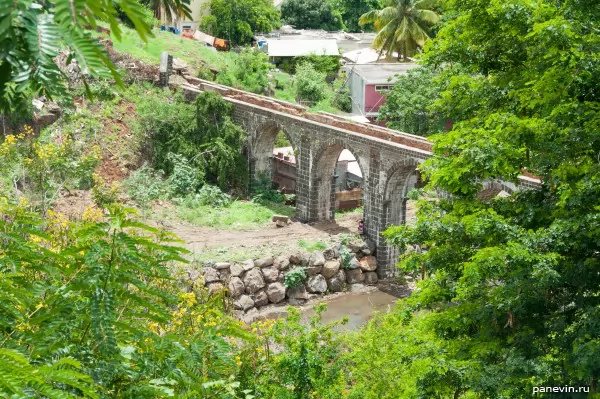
198 8
357 91
373 99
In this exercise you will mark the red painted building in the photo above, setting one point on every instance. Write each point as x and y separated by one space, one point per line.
368 84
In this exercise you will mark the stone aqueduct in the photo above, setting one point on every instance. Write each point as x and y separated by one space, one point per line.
388 160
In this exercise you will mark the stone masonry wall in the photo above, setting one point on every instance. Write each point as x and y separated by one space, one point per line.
256 283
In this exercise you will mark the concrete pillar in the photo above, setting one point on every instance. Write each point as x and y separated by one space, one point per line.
303 181
166 66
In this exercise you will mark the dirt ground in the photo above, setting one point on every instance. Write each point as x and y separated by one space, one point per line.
209 243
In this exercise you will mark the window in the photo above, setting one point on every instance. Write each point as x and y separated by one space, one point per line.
381 88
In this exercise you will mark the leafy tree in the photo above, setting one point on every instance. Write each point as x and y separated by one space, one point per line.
310 84
409 104
311 14
33 33
511 284
197 140
402 26
352 10
238 20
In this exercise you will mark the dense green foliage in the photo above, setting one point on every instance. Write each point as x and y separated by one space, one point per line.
238 20
250 72
352 10
512 285
88 309
409 104
310 84
195 143
311 14
402 26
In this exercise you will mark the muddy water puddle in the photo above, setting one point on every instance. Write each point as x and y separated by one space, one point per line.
357 307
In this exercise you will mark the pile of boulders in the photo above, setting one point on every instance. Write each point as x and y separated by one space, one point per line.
255 283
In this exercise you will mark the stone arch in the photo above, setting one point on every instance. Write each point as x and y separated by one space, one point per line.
322 176
492 188
262 147
400 179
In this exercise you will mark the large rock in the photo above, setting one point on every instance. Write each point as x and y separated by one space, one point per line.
371 246
317 284
299 258
371 278
368 264
271 274
236 287
356 246
222 265
215 287
298 292
353 264
335 284
236 270
280 218
263 262
210 275
253 280
329 254
354 276
243 303
330 268
281 263
276 292
260 298
316 259
313 270
247 265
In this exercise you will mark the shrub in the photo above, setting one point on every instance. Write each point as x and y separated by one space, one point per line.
146 184
184 179
310 84
263 192
346 257
294 277
208 196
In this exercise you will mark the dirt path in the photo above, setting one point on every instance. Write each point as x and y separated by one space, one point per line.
199 239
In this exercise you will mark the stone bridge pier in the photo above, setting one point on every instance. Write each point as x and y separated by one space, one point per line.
388 170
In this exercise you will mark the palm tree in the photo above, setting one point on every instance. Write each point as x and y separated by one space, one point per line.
168 10
402 26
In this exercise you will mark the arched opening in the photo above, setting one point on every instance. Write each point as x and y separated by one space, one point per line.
398 208
339 178
274 158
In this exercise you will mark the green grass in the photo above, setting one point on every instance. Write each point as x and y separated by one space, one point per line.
238 215
312 245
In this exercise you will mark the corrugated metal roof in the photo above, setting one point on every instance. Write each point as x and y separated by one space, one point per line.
297 48
380 73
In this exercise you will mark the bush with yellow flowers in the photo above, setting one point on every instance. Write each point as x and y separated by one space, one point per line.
89 309
39 170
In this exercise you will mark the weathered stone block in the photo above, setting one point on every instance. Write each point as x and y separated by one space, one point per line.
276 292
263 262
236 287
271 274
368 264
253 280
243 303
371 278
354 276
316 284
330 268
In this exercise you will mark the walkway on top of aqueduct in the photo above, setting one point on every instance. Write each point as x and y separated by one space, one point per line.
388 159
